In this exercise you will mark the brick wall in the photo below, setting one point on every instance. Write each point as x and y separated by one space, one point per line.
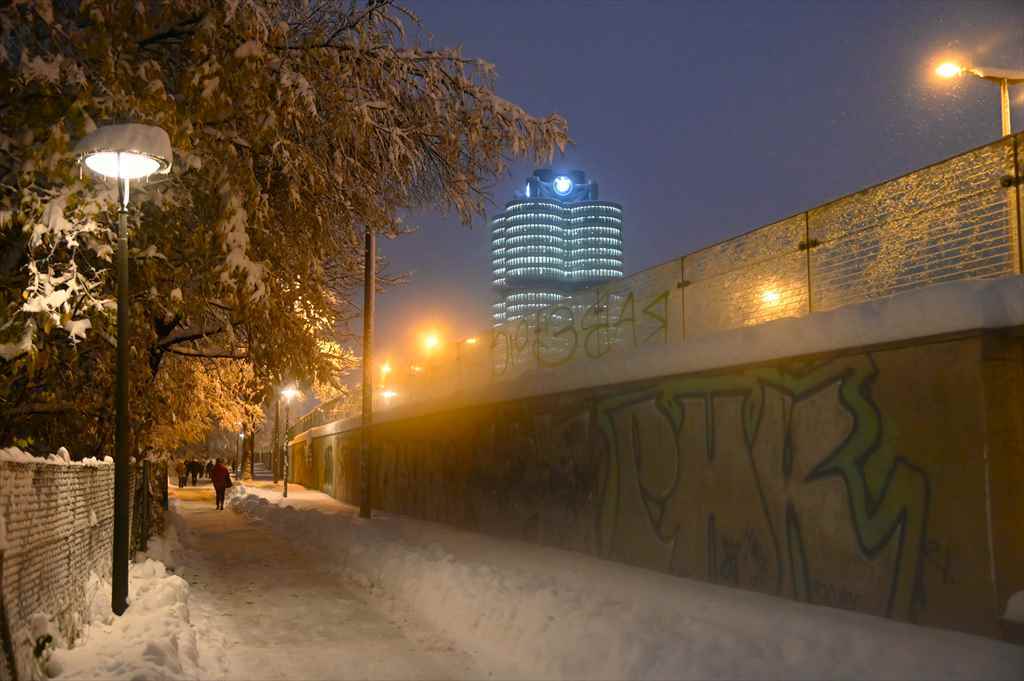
59 522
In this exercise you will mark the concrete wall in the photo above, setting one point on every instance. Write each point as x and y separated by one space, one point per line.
59 523
884 480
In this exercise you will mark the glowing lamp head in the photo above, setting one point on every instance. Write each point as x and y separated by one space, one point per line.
948 70
289 394
126 152
121 165
430 342
241 436
471 341
770 297
388 394
562 185
385 369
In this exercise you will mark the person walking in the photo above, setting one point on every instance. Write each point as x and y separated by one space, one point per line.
179 468
221 477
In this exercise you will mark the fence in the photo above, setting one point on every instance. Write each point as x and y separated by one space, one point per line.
57 523
957 219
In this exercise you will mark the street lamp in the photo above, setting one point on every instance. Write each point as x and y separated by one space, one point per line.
238 445
1004 77
123 153
288 394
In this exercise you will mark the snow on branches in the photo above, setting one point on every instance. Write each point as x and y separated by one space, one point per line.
295 126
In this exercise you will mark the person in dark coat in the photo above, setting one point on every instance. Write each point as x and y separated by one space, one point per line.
221 477
209 469
194 469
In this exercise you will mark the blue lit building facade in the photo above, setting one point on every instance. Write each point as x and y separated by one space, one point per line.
555 238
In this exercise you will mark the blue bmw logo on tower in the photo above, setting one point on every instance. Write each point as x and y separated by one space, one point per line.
562 185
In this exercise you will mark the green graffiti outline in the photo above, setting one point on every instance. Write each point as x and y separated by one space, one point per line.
898 507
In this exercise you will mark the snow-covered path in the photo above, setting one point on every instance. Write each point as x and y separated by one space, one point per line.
277 613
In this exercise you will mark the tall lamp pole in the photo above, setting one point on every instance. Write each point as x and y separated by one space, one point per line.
1003 77
274 454
123 153
239 451
366 458
288 394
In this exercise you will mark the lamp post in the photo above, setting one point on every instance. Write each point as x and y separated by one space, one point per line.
239 450
288 394
123 153
274 453
1003 77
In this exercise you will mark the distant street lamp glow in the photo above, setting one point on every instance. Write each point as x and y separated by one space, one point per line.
431 341
385 369
415 369
388 394
949 70
471 341
770 297
289 393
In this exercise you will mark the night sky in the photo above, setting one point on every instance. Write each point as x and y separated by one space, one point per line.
706 120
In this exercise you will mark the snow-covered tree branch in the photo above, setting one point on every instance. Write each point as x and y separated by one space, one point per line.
296 126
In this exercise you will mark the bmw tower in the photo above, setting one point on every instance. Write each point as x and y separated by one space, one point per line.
553 239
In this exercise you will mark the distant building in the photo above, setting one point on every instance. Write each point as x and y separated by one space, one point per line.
553 239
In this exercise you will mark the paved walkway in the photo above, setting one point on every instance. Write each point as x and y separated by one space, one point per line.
281 615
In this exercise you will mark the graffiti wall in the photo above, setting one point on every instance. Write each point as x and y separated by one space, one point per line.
867 481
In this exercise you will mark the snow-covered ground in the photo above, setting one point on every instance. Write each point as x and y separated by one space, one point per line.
303 588
267 609
527 611
152 640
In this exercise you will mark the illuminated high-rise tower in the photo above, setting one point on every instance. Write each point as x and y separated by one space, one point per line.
552 240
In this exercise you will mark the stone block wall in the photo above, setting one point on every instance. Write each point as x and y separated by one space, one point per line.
58 525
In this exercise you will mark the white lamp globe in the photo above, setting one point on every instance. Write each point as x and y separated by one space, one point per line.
127 151
562 185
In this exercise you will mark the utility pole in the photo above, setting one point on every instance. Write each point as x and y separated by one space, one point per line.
366 459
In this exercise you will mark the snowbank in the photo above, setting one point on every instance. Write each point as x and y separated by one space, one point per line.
535 612
152 640
61 458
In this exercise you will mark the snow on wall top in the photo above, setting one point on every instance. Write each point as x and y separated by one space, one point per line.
940 309
61 458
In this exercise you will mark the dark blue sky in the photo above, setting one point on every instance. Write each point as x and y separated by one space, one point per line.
705 120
